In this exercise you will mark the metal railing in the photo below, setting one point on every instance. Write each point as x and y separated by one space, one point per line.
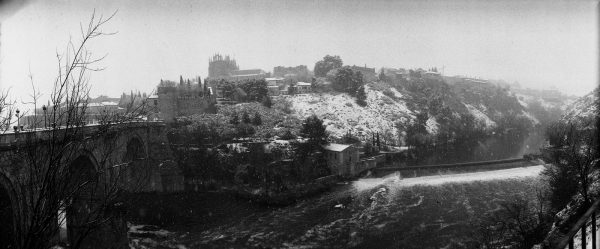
581 225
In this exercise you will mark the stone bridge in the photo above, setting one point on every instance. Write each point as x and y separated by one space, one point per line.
137 149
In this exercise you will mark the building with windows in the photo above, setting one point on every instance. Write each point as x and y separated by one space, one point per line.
247 74
303 87
431 75
342 158
226 68
297 73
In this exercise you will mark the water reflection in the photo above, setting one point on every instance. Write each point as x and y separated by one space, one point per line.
492 148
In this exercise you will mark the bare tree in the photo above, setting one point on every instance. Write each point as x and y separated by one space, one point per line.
573 160
519 222
59 185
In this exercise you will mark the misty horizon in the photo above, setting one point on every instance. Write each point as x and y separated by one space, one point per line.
537 44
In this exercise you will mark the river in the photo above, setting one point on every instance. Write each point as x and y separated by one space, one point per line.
382 212
492 148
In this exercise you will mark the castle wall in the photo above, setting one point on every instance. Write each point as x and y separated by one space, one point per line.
171 105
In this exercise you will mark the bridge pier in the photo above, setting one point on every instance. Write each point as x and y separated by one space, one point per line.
91 221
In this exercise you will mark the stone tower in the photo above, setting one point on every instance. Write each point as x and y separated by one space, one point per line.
220 66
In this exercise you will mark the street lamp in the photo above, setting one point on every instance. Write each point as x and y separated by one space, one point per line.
18 119
44 108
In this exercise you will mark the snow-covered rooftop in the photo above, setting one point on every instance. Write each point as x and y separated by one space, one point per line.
101 104
272 79
336 147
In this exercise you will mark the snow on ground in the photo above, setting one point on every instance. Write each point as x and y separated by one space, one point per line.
341 114
582 107
479 115
432 125
521 99
396 93
396 178
531 117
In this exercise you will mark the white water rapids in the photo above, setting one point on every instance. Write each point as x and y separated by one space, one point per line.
385 212
397 180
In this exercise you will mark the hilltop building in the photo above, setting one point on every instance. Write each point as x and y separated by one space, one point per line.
226 68
221 66
284 86
395 74
367 72
431 75
303 87
186 98
364 70
246 74
297 73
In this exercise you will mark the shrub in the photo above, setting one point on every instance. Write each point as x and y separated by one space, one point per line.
287 135
388 92
283 105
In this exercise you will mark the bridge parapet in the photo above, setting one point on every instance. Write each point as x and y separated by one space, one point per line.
12 138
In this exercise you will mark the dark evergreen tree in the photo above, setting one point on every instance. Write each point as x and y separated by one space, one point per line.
234 120
328 63
373 139
348 81
311 154
266 101
257 119
361 96
246 118
256 90
206 92
382 76
314 130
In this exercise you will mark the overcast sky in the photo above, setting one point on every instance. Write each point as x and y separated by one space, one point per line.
539 43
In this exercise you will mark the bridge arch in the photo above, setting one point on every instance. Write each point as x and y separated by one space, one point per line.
83 204
137 174
91 220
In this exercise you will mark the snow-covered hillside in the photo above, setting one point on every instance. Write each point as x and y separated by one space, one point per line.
390 106
341 114
480 115
584 107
